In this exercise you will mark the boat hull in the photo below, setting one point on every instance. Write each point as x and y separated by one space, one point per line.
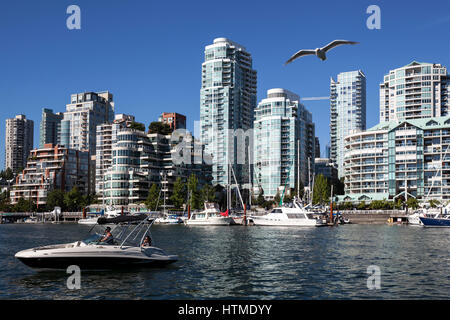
92 262
435 222
257 221
93 257
88 221
210 222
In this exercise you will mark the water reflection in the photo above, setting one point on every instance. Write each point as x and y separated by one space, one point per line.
246 263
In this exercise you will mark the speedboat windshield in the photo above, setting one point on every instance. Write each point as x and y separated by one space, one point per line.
93 238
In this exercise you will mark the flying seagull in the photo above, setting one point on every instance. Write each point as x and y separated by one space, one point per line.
320 52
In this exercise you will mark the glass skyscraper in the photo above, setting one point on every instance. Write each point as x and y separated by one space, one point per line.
283 135
348 112
227 102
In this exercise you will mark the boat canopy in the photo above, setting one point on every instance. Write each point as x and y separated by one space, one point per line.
122 219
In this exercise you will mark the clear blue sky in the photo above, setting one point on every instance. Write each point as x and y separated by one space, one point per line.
149 53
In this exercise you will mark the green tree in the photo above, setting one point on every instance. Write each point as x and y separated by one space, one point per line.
268 204
55 198
347 205
433 203
362 205
376 205
277 198
179 193
208 193
24 206
7 174
321 191
195 198
398 204
260 199
137 126
152 199
159 127
412 203
73 200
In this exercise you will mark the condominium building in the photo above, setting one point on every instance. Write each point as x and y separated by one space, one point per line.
227 102
18 142
83 114
140 159
106 138
50 127
317 147
283 142
348 112
49 168
174 120
325 167
395 157
417 90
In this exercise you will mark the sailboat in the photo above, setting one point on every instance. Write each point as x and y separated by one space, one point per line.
166 218
212 215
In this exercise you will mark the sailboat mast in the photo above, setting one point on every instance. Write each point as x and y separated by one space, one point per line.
250 180
298 168
309 180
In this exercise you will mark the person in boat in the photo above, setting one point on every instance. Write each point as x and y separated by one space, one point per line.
107 236
147 242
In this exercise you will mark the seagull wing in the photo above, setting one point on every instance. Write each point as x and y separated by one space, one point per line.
336 43
300 54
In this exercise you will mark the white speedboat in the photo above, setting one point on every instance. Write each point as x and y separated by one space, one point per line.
211 216
295 215
125 250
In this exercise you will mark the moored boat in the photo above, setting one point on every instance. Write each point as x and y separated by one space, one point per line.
436 222
127 249
211 216
291 215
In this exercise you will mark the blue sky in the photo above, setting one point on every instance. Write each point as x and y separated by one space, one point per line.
149 53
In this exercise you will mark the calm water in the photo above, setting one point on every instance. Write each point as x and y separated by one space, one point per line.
246 263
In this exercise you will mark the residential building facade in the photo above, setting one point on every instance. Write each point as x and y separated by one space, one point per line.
140 159
174 120
348 112
19 138
227 102
283 142
417 90
50 127
395 157
49 168
83 114
325 167
106 138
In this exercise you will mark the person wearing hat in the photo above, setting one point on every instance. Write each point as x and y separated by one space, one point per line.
107 236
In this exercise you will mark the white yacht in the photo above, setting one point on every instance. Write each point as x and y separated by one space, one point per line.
293 215
210 216
125 249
